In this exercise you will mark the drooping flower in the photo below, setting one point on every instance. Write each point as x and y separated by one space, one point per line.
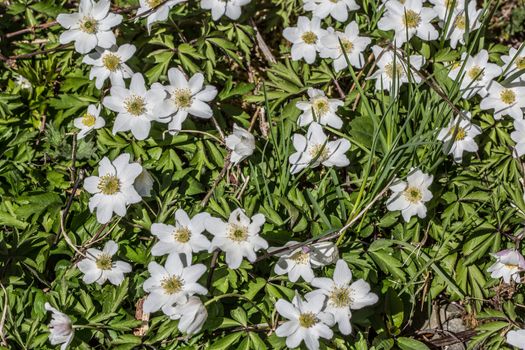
110 63
319 109
306 321
469 17
458 136
301 261
475 74
410 196
157 10
229 8
408 18
144 183
341 296
99 266
518 136
191 315
504 100
186 97
305 38
23 82
514 64
242 144
113 187
392 71
315 149
184 238
338 9
237 238
171 284
336 44
517 338
137 107
509 263
91 120
60 328
90 27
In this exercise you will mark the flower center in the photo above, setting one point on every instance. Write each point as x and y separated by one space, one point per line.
334 1
154 3
135 105
319 152
340 297
182 234
307 320
411 19
520 62
238 233
460 22
88 25
508 96
300 258
172 285
347 45
390 70
109 184
476 73
104 262
309 38
413 195
88 120
321 106
183 98
459 132
111 62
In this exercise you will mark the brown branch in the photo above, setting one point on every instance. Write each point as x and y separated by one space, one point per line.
31 29
213 265
227 165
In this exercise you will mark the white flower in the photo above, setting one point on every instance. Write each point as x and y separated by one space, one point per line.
306 322
90 27
444 8
99 265
476 75
458 25
171 284
192 315
458 137
300 261
137 107
60 328
515 63
509 263
335 44
89 121
110 63
160 10
305 38
144 183
23 82
219 8
409 17
504 100
238 238
241 143
390 66
113 187
320 109
315 149
411 197
342 296
518 135
338 9
517 338
184 238
186 97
